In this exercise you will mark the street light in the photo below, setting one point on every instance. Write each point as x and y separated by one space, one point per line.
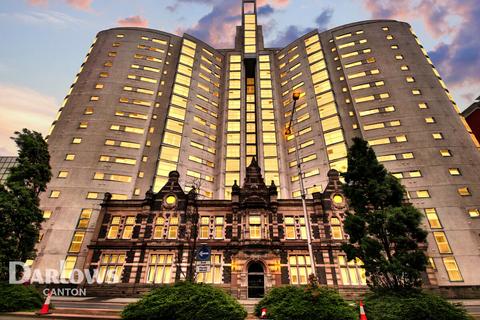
288 131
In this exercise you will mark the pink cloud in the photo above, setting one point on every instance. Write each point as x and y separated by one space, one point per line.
80 4
77 4
218 27
38 2
133 21
458 59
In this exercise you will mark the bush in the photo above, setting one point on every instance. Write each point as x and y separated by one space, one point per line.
412 306
317 303
18 297
186 301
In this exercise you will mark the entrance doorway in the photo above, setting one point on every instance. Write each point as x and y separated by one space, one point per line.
256 280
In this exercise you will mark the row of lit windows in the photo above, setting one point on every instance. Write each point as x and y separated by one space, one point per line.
232 162
327 109
268 123
170 149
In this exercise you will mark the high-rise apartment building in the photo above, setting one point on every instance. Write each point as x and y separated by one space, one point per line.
146 102
472 116
6 163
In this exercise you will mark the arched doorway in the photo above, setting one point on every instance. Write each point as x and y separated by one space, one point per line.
256 280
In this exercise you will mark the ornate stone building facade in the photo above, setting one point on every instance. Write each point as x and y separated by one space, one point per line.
257 241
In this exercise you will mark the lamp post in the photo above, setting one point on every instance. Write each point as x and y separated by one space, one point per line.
288 131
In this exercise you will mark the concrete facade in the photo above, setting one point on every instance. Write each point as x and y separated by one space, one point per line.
5 164
146 103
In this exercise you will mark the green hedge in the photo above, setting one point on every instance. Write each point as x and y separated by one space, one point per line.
186 301
411 306
15 297
305 303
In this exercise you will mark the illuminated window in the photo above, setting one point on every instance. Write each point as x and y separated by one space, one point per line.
474 213
399 57
452 269
423 194
128 228
352 272
54 194
84 218
76 140
416 92
62 174
76 242
173 228
46 214
92 195
88 111
454 172
254 224
336 228
215 274
114 228
442 243
464 191
445 153
437 136
68 267
432 218
69 157
160 268
111 268
299 269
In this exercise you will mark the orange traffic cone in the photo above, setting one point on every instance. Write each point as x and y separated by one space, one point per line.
363 316
46 304
264 313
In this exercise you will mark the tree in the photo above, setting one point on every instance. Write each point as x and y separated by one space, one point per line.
385 231
186 301
20 216
305 302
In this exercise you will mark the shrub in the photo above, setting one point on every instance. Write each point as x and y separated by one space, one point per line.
317 303
412 306
18 297
186 301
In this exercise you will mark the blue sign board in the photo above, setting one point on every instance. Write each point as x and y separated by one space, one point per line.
203 254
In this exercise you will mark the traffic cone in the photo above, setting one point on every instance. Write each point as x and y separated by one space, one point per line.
363 316
264 313
46 304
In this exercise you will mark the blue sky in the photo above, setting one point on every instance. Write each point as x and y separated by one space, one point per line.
45 41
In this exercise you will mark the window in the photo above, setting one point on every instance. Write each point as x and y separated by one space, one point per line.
215 274
114 227
416 92
111 268
46 214
219 221
452 269
464 191
290 228
336 228
204 227
54 193
352 272
62 174
76 242
173 228
254 223
423 194
442 243
474 213
76 140
432 218
68 267
445 153
437 136
158 232
160 268
430 120
454 171
128 228
84 218
299 268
